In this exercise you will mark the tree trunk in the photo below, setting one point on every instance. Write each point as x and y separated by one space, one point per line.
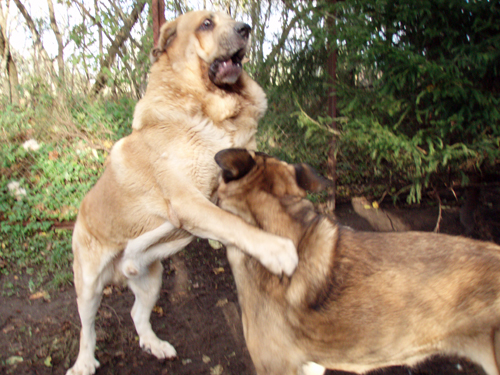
8 63
99 25
36 36
158 11
60 45
10 67
332 112
120 39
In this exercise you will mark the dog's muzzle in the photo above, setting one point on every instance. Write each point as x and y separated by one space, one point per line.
227 70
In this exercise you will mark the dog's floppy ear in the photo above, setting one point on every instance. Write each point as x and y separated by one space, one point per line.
167 34
310 180
235 163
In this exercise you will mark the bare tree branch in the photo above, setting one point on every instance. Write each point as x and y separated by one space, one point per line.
101 48
94 20
118 10
121 38
60 44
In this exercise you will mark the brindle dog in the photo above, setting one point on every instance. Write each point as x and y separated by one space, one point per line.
357 301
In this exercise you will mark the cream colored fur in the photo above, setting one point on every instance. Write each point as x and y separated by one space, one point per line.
159 185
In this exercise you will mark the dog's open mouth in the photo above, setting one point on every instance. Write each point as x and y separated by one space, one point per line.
226 71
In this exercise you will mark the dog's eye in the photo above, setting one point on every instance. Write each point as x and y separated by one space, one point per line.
207 24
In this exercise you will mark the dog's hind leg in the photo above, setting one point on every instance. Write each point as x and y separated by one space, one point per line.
146 289
135 264
136 247
89 288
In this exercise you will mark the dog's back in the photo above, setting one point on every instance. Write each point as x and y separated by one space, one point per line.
357 300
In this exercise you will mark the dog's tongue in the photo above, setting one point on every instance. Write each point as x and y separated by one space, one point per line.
228 72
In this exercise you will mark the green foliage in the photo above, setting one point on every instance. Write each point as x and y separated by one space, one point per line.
417 86
54 179
299 88
424 94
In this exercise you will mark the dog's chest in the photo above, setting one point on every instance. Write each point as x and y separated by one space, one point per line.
204 140
218 136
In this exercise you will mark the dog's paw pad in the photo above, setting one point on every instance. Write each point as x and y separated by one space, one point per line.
129 268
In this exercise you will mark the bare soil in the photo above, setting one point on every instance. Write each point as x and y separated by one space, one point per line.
197 312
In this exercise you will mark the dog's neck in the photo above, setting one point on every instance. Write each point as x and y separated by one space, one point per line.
189 93
297 220
307 228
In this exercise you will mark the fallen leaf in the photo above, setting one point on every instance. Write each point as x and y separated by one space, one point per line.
53 155
8 329
217 370
375 205
14 360
158 310
205 358
221 302
107 291
214 244
186 361
48 361
41 294
218 270
107 143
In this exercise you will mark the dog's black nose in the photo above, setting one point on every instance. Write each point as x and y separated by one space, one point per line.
243 29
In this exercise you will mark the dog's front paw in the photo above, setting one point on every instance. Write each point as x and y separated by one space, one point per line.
281 256
84 367
159 348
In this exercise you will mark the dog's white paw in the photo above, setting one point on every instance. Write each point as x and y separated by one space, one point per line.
281 256
82 367
159 348
130 268
311 368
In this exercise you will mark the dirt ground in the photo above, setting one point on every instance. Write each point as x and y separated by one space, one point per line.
197 312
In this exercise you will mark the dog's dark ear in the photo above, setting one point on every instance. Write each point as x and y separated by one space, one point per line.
235 163
167 35
310 180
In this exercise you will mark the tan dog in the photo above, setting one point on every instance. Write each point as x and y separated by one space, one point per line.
358 300
159 184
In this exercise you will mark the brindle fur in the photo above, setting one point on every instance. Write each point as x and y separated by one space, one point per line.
358 300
